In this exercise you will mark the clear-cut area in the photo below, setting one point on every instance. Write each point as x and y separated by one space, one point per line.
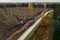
17 18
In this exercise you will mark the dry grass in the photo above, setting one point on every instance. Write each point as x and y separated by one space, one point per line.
7 20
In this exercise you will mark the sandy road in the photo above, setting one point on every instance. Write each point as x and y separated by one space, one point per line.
23 36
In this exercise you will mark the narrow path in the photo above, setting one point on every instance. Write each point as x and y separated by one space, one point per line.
23 36
20 30
19 27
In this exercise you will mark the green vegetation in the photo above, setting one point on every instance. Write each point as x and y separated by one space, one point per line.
56 35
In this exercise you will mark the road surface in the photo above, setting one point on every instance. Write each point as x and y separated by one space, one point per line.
23 36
